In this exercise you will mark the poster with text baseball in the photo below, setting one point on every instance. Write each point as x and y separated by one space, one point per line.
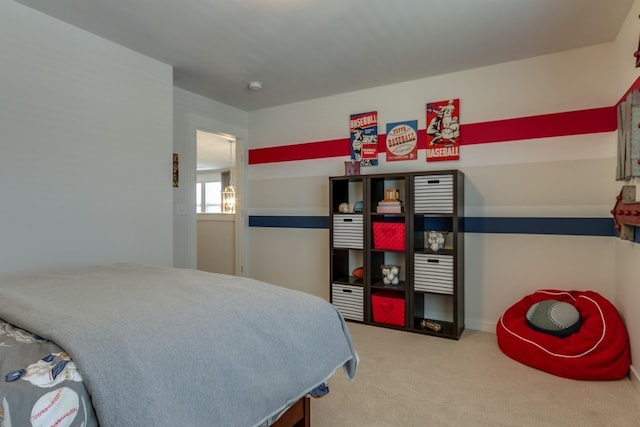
443 130
364 138
402 140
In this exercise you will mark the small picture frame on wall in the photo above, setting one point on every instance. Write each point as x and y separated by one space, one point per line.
351 168
175 170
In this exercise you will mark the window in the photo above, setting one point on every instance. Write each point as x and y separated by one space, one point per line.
212 197
209 196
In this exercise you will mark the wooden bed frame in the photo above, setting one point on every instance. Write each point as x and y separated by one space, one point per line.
299 415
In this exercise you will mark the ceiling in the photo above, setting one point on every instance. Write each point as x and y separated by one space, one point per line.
305 49
214 151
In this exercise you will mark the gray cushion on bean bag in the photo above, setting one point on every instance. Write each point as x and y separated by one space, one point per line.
554 317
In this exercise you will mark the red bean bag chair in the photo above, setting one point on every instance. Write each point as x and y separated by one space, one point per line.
598 350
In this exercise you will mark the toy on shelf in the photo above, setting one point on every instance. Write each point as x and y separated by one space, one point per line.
391 202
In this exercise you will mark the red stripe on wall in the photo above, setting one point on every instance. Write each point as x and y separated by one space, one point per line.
306 151
544 126
579 122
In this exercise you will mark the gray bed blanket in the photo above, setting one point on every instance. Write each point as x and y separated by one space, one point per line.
176 347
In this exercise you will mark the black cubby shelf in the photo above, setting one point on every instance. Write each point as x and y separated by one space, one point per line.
429 297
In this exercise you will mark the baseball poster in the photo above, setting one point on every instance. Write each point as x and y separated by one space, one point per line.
443 130
364 138
402 140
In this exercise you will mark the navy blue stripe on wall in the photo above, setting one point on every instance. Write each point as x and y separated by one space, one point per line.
539 225
289 221
509 225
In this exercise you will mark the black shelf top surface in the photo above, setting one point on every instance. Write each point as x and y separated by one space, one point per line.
430 252
402 286
351 280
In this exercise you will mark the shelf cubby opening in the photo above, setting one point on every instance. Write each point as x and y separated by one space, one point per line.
345 261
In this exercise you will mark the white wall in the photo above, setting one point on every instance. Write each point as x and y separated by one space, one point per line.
194 112
570 176
85 147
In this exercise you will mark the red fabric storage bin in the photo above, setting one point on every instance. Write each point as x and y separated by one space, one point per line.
388 307
389 235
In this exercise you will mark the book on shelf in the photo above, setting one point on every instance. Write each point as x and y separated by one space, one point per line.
390 203
389 209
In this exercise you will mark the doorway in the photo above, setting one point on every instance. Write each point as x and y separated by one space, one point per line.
216 199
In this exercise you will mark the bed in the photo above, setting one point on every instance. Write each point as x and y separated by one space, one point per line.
132 345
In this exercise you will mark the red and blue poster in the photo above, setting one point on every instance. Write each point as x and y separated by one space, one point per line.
364 138
402 140
443 130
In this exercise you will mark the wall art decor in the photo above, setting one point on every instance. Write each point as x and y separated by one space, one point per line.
364 138
175 170
351 167
628 158
402 140
443 130
626 213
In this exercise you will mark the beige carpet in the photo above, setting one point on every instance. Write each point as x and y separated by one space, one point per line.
407 379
